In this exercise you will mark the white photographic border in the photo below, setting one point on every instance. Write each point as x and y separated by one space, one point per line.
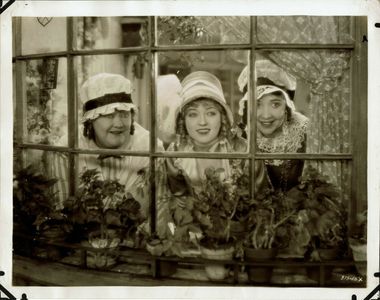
369 8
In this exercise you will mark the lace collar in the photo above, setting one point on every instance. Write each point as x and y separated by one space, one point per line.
290 139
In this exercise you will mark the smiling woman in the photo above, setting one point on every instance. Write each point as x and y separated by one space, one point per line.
204 124
112 130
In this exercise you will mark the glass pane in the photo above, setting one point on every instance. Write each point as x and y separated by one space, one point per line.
45 95
124 193
41 173
301 94
101 73
175 66
43 34
303 29
203 30
190 190
110 32
36 201
312 216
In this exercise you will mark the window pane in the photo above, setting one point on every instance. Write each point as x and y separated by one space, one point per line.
43 34
36 168
314 209
302 94
202 30
189 190
132 67
303 29
175 66
121 205
132 172
110 32
45 100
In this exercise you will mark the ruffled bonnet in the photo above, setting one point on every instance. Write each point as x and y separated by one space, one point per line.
105 93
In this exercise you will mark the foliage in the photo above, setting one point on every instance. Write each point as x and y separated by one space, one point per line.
177 228
320 216
179 30
214 207
264 219
103 204
34 200
36 214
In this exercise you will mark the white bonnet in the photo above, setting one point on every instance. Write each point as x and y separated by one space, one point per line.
202 84
168 100
104 93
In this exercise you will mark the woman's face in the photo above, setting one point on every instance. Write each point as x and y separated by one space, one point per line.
112 131
270 114
203 121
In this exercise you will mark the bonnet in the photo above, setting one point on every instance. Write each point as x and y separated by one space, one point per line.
283 82
168 100
103 94
202 84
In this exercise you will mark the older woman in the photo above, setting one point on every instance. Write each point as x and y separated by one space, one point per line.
280 129
108 123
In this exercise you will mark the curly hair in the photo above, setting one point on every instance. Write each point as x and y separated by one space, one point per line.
183 137
89 132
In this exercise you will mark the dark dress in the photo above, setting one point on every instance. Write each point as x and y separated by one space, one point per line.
286 175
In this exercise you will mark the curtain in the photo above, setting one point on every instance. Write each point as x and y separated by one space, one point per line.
328 74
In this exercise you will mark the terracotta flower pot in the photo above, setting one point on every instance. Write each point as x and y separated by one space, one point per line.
217 271
259 274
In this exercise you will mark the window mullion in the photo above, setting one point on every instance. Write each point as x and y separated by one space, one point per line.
152 109
72 110
358 119
251 105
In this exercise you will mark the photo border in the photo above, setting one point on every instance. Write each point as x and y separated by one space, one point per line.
370 8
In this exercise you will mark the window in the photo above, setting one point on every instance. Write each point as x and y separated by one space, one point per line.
314 66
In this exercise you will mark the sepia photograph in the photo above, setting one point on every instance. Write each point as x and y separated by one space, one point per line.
218 151
169 95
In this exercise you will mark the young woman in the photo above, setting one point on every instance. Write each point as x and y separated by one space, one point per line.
203 124
280 129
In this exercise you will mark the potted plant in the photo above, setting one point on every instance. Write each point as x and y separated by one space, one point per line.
179 238
264 218
327 216
358 242
36 213
176 228
214 208
107 215
318 230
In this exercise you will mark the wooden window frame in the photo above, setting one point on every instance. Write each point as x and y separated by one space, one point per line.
358 118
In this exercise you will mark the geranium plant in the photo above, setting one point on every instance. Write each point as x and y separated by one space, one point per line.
101 205
264 218
176 224
214 207
36 210
320 218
